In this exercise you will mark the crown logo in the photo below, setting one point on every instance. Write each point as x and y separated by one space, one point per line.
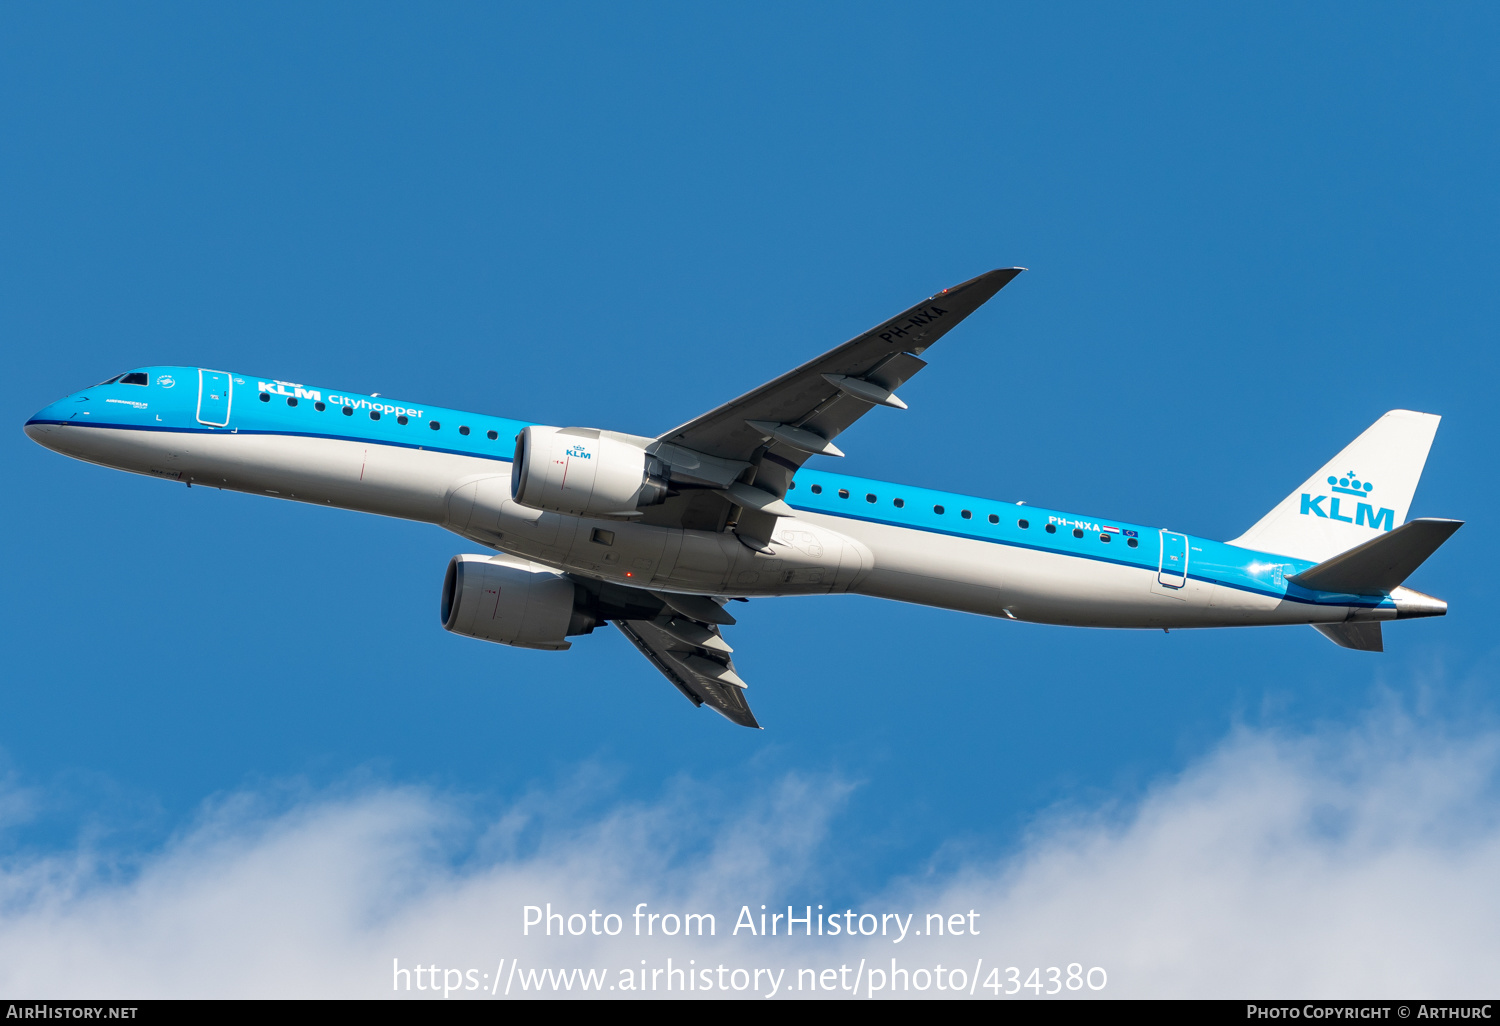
1349 484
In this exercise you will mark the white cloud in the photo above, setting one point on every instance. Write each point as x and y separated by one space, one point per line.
1352 863
1360 864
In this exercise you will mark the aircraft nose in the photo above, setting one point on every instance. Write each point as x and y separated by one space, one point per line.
43 424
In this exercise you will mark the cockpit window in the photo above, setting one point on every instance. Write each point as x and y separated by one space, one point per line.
136 378
111 381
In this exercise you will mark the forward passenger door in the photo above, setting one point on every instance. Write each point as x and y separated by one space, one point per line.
214 397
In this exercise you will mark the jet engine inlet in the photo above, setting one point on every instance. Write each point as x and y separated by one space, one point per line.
584 472
511 602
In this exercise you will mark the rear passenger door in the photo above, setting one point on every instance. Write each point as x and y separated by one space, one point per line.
1172 570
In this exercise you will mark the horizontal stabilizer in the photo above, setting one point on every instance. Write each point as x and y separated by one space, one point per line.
1379 565
1364 635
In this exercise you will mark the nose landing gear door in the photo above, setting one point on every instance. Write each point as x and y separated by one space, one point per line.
214 398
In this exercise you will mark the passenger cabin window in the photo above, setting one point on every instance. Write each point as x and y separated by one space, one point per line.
348 411
401 418
463 429
319 407
265 397
843 493
435 425
938 510
899 503
1051 528
994 518
133 379
492 435
374 414
817 489
966 514
1077 532
291 400
1023 524
869 498
1131 542
1104 538
789 485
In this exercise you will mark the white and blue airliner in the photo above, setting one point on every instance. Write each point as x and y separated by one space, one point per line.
586 526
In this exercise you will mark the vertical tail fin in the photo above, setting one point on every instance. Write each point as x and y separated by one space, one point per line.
1364 490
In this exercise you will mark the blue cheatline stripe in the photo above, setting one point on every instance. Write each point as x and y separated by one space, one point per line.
1288 597
971 536
289 434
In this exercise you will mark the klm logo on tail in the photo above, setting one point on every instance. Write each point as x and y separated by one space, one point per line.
1365 514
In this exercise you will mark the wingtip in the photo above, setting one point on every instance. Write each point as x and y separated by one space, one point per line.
1007 274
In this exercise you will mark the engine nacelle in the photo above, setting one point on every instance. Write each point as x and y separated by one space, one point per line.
584 472
512 602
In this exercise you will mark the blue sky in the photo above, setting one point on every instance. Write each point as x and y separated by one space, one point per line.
1250 231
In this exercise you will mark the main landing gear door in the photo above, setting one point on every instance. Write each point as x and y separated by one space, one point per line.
213 398
1172 570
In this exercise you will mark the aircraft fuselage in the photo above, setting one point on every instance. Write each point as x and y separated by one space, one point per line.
848 535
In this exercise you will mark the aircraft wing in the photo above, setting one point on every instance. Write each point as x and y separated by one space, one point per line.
695 658
870 366
776 427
